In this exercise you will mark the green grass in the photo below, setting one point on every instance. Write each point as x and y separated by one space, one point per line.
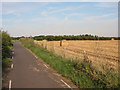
82 74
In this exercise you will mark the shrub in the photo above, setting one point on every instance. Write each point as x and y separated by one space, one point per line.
6 48
6 62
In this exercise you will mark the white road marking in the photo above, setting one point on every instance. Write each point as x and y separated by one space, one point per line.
45 66
10 85
12 66
66 83
12 57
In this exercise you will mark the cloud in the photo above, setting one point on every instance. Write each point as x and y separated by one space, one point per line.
10 21
104 16
56 26
6 20
66 19
18 8
9 12
44 13
54 19
19 21
68 16
107 5
74 14
87 16
13 12
43 21
67 9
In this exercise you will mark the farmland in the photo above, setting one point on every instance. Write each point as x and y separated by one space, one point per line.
72 45
102 54
86 63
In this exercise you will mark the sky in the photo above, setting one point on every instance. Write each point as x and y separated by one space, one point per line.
60 18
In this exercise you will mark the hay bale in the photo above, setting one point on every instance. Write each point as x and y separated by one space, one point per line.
65 43
44 44
37 42
112 39
22 38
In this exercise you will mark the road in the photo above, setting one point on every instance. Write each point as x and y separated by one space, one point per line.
28 71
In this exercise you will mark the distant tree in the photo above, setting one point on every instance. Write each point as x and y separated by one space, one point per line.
72 37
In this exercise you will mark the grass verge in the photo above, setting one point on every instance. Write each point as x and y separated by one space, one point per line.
80 72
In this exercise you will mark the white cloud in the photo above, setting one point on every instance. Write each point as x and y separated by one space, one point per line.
7 11
67 9
13 12
57 26
74 14
18 9
66 19
54 25
44 13
86 17
19 21
101 16
67 16
11 21
6 20
107 5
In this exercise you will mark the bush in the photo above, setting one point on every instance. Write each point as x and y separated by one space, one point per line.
6 62
7 46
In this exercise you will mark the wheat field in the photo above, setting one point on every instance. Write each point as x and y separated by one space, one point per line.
102 54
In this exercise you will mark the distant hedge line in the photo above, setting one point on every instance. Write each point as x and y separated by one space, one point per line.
70 37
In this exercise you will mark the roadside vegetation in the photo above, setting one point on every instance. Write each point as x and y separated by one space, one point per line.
80 72
7 46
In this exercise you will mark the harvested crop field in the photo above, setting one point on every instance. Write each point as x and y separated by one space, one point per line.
102 54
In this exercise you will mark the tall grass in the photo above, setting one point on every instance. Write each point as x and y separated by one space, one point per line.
80 72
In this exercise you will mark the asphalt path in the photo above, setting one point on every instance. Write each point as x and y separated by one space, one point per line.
28 71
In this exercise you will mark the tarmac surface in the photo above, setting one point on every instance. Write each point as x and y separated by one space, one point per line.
29 71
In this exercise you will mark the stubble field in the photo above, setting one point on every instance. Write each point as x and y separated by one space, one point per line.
102 54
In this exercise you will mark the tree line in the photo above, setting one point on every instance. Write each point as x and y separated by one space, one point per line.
69 37
72 37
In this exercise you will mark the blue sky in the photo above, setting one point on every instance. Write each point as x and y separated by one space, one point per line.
60 18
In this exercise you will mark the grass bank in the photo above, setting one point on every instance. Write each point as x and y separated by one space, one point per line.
80 72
